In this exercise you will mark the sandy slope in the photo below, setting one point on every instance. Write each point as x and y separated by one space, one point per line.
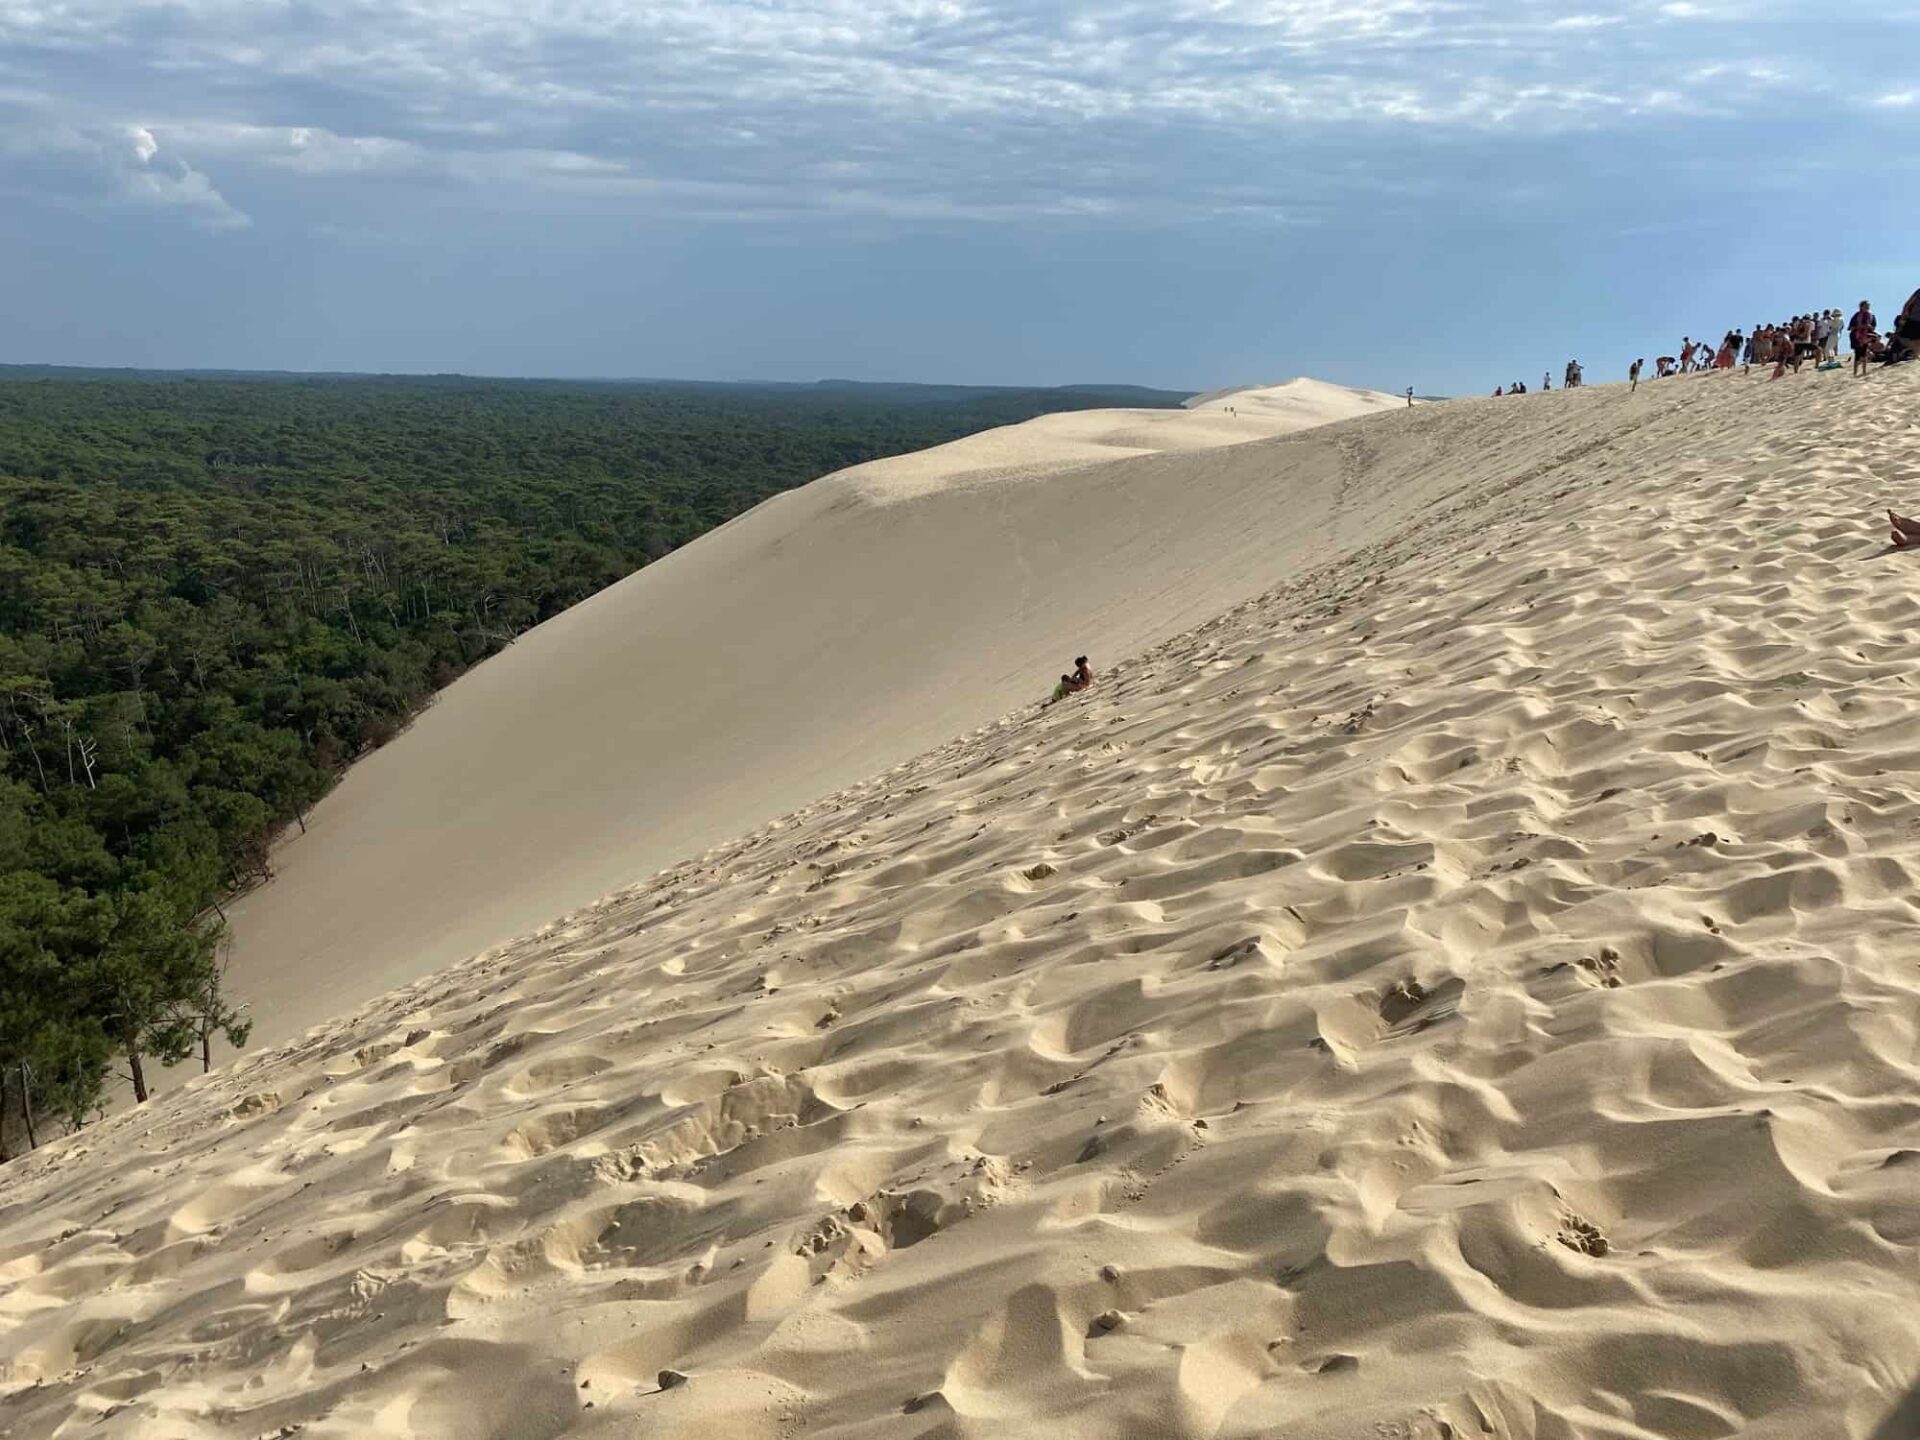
828 633
1469 992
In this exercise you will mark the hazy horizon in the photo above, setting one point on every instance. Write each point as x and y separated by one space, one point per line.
585 379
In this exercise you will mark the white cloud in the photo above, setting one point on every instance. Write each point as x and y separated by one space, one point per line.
147 177
963 107
125 164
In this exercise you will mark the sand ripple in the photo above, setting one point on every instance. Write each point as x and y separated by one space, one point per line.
1468 992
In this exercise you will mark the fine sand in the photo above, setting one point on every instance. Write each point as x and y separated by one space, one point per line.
829 633
1469 991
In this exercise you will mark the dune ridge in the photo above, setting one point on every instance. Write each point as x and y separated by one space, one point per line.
1463 992
1050 444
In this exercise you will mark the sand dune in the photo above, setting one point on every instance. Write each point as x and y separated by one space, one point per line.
1466 992
828 633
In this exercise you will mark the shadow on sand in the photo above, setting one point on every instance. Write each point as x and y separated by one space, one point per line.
1903 1421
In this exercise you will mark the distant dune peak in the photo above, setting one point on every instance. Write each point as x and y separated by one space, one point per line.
1301 393
1070 440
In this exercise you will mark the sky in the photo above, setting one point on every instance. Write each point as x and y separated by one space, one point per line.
1449 194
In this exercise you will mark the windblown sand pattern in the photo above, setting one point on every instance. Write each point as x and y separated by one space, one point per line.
1471 991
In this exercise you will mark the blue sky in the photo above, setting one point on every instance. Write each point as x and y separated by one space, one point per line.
1445 193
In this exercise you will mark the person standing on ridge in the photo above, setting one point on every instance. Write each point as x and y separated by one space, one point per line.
1861 333
1633 374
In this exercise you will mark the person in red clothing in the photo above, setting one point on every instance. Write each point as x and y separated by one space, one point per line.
1863 335
1687 347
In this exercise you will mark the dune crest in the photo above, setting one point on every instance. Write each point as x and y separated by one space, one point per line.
1050 444
1463 992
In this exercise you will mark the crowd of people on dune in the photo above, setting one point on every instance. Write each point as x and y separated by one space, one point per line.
1572 378
1813 338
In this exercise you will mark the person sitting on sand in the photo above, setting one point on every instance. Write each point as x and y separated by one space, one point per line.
1905 531
1082 673
1061 691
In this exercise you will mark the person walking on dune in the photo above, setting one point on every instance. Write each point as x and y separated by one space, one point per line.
1633 374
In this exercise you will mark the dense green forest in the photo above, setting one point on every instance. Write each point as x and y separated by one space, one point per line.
216 591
